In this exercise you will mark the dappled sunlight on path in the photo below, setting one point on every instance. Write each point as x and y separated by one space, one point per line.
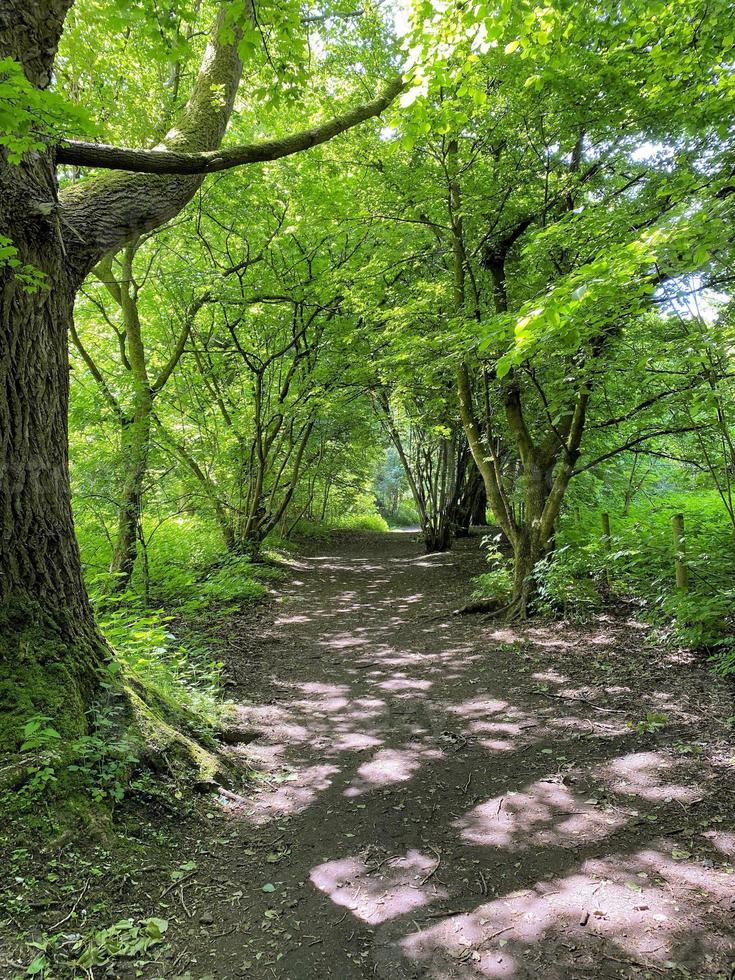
459 801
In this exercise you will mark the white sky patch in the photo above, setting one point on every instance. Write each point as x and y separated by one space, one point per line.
317 46
400 10
689 299
652 151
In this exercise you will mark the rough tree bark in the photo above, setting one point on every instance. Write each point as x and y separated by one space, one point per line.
49 646
52 655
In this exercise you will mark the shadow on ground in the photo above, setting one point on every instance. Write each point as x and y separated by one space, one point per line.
438 798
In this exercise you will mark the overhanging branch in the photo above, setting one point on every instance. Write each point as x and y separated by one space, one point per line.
635 442
163 161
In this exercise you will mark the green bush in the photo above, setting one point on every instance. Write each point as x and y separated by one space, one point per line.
361 522
496 584
639 563
406 515
227 585
569 582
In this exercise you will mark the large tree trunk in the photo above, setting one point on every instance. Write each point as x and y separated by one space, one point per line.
50 651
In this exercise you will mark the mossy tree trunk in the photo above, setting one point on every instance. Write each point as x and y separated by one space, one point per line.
135 418
545 472
135 444
50 650
52 656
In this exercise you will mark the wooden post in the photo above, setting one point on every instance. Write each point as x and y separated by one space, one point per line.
606 543
682 572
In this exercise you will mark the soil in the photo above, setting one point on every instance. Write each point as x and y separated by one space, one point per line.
435 796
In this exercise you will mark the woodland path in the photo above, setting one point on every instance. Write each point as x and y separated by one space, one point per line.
434 802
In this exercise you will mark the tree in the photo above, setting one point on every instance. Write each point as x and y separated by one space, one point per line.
550 218
144 383
52 653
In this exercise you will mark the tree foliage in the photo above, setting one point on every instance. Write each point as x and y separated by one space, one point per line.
509 299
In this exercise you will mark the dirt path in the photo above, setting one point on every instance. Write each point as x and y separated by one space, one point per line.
440 799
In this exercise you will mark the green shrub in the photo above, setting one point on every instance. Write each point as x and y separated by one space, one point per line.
361 522
640 564
406 515
569 582
227 585
496 584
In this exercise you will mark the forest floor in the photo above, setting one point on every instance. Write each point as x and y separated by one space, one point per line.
441 797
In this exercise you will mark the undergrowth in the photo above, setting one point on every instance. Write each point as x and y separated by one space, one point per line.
587 572
161 630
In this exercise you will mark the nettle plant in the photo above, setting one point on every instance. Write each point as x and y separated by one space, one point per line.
125 939
99 761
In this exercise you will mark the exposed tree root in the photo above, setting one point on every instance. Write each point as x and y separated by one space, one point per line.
480 606
169 741
515 611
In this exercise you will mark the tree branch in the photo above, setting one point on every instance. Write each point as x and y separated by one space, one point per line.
165 161
95 371
178 350
648 403
635 442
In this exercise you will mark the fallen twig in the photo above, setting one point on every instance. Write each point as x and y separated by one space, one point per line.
391 857
183 903
175 884
568 697
74 907
434 869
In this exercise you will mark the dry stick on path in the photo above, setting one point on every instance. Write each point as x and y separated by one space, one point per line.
177 883
435 868
74 907
568 697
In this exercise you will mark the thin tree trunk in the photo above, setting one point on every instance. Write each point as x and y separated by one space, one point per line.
135 443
